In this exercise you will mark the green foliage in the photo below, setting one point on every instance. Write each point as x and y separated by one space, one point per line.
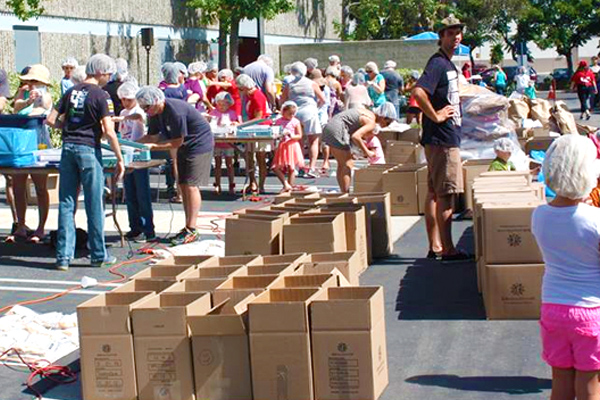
497 54
26 9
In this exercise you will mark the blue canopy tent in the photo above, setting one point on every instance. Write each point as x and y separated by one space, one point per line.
461 51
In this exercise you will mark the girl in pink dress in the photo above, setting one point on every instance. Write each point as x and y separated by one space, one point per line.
288 155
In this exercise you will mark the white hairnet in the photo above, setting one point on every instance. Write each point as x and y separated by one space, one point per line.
198 67
504 144
181 68
347 70
212 66
334 58
149 96
569 166
332 71
287 69
245 82
386 110
415 75
358 79
127 90
121 71
224 96
311 63
100 64
70 62
170 73
372 67
390 64
289 103
298 68
78 75
266 59
226 74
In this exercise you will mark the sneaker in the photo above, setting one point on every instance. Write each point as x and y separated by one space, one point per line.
301 173
62 265
312 174
458 257
133 235
109 261
146 238
432 255
185 236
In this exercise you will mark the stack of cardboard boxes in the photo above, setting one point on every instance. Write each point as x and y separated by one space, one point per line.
509 263
282 326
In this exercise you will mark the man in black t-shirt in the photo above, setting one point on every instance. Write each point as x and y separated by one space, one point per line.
438 97
85 115
174 124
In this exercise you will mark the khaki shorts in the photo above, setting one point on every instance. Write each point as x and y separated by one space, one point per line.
444 170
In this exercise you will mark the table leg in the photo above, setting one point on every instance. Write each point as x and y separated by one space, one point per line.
113 195
249 162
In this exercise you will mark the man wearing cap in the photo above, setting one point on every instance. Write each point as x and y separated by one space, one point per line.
437 95
394 84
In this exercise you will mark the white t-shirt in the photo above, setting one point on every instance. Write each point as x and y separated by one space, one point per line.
569 238
132 129
523 81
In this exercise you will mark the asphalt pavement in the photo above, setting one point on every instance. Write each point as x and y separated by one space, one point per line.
440 346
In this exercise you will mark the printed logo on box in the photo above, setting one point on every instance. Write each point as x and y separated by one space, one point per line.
514 240
205 357
106 348
517 289
342 347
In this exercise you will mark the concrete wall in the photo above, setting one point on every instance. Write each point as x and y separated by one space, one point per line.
7 54
311 18
412 55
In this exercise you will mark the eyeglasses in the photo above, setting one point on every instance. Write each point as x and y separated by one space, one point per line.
146 107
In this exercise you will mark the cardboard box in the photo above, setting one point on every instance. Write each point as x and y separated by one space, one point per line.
507 174
471 170
196 285
184 260
349 344
238 288
164 271
401 183
253 234
422 188
369 179
538 143
216 272
355 218
513 291
410 135
283 197
310 281
280 350
323 269
507 234
291 208
163 354
379 209
261 212
221 353
156 285
314 234
348 263
271 269
292 258
106 346
398 152
52 183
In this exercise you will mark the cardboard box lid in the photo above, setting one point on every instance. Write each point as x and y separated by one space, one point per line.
282 310
165 314
196 285
146 285
348 309
271 269
310 281
162 271
108 313
225 319
215 272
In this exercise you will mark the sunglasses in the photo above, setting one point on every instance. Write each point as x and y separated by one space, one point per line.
146 107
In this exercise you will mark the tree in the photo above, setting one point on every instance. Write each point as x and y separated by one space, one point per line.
229 13
563 24
26 9
497 54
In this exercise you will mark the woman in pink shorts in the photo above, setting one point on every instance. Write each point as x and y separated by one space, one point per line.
568 233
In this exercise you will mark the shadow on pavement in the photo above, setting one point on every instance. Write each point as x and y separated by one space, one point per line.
496 384
432 290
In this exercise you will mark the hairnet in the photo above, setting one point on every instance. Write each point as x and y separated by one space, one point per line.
415 75
358 79
100 64
212 66
224 96
390 64
332 71
298 68
181 68
311 63
266 59
225 73
78 75
149 96
70 62
347 70
569 166
121 71
334 58
127 90
170 73
386 110
198 67
289 103
245 82
504 144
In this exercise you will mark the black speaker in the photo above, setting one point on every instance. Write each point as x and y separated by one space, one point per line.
147 37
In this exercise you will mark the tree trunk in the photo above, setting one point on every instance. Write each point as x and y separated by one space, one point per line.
569 56
223 29
472 58
234 42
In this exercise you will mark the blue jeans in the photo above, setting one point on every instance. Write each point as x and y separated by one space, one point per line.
139 201
80 165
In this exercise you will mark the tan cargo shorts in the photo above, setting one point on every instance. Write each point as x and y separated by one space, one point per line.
444 170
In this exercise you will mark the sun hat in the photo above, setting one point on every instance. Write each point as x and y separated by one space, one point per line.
450 22
37 72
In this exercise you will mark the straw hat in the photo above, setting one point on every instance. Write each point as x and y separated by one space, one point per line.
37 72
450 22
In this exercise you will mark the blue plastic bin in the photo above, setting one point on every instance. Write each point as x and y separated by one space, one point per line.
19 140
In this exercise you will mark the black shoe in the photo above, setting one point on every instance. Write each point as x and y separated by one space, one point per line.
146 238
133 236
432 255
458 257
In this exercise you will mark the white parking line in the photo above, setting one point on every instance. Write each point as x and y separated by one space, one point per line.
41 281
48 290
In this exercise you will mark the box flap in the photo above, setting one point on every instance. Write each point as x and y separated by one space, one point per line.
225 319
271 269
348 309
146 285
184 260
281 258
108 313
162 271
310 281
197 285
215 272
251 282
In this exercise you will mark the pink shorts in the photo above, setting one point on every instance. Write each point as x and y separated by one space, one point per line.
571 336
